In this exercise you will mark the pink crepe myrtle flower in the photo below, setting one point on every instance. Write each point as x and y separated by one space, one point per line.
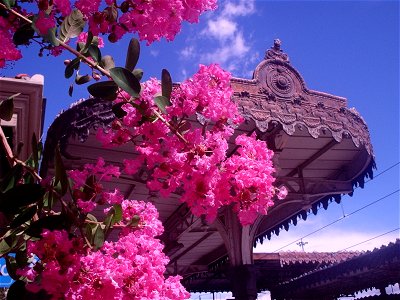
83 37
8 51
44 22
64 6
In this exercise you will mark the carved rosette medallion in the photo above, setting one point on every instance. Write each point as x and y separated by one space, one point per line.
280 80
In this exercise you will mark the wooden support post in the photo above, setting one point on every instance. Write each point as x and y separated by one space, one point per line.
238 241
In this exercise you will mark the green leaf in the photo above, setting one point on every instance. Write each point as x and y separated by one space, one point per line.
134 222
90 187
104 89
91 217
73 65
20 196
35 151
138 73
23 35
50 198
79 79
61 174
11 178
108 221
21 257
4 247
126 81
86 46
118 111
114 216
12 267
51 36
95 53
71 89
9 3
99 237
95 40
107 62
132 56
162 102
13 239
118 213
111 13
7 107
72 25
166 84
24 216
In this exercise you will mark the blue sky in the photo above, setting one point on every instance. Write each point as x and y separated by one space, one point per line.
346 48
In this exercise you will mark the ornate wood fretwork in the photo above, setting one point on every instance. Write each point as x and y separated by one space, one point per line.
277 93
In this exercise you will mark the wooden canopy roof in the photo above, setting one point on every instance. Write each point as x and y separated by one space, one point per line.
322 150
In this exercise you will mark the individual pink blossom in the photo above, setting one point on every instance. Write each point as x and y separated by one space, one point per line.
83 37
113 197
56 51
44 22
86 206
64 6
282 192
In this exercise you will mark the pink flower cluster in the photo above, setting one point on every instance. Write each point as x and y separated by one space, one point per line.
132 267
196 155
8 51
44 22
57 263
87 189
151 20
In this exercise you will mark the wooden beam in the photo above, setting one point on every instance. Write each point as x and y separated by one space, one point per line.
194 245
312 158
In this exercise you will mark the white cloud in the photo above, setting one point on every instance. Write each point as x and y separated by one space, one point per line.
220 28
241 8
236 48
187 52
223 39
154 52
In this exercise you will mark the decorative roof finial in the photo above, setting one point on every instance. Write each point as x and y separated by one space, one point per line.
276 52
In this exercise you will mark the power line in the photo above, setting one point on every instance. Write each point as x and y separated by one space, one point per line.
377 175
375 237
329 224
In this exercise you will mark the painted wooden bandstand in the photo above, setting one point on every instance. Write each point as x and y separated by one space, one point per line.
322 151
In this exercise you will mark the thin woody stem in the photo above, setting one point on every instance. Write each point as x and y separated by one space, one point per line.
12 160
63 44
172 128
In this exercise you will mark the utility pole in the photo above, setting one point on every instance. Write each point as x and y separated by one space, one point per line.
302 244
